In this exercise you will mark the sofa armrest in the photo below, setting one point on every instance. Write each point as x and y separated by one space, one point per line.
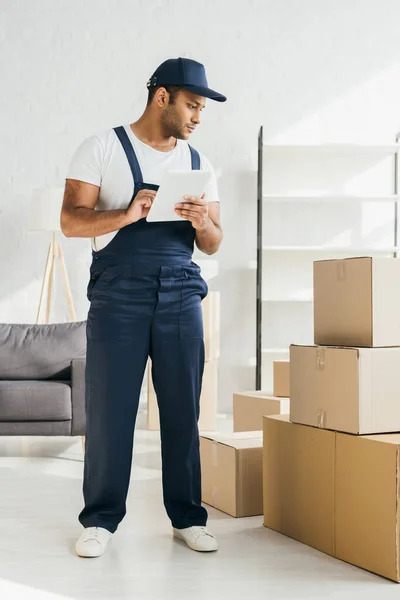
78 367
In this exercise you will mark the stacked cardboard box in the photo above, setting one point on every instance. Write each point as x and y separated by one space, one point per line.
323 485
232 464
209 394
232 473
336 492
281 378
250 407
350 381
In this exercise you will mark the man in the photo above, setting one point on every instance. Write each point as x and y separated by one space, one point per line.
145 295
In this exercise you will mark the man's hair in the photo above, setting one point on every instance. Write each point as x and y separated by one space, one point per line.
173 91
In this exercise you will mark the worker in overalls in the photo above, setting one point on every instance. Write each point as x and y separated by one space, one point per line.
145 301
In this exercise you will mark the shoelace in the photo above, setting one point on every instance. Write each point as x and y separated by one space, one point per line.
94 533
198 531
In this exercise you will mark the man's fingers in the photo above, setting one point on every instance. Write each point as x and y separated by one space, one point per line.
146 200
148 193
189 213
194 200
199 208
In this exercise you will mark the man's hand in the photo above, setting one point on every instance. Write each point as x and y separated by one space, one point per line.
139 209
194 210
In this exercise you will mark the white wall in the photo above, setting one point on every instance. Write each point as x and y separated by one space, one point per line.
326 70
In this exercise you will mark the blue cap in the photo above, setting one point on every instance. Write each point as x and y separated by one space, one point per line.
186 73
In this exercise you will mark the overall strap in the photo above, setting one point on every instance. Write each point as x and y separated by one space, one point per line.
130 155
195 158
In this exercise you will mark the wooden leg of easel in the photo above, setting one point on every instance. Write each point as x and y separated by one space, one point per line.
51 279
67 287
46 274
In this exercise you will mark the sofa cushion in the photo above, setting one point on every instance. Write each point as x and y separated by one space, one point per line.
35 401
40 351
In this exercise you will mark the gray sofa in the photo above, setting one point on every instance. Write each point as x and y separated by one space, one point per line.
42 379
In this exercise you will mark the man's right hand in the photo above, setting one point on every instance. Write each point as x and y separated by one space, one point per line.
139 209
80 219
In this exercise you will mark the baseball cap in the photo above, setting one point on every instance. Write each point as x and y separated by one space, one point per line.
186 73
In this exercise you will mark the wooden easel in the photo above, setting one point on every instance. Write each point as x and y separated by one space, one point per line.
54 253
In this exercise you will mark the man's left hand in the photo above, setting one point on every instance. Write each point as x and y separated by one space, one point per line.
194 210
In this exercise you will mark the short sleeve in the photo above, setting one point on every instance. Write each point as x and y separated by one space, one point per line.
211 193
87 162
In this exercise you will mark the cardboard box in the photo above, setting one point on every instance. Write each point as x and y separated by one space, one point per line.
211 324
336 492
356 302
208 399
232 473
281 375
298 482
354 390
250 407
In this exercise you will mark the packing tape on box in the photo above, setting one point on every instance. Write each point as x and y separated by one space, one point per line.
321 419
320 360
214 454
341 270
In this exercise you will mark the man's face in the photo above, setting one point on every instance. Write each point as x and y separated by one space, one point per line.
181 118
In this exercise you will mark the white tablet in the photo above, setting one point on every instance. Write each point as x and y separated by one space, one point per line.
174 186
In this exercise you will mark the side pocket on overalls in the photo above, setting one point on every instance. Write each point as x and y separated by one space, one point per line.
194 290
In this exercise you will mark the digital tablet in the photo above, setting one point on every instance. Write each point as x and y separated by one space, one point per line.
174 186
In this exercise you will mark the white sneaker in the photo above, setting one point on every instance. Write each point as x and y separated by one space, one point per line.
93 542
197 538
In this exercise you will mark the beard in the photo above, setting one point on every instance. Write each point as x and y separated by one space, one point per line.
172 123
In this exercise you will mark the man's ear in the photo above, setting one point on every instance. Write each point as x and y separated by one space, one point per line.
162 97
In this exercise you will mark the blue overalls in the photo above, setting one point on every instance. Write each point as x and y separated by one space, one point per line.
145 294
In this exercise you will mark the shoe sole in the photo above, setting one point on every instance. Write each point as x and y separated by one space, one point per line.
88 555
81 555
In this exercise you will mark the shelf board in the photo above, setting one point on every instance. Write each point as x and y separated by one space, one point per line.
341 249
340 199
335 147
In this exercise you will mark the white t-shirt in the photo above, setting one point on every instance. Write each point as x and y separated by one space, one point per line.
101 160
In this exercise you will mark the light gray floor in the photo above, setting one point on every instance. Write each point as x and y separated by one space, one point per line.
40 497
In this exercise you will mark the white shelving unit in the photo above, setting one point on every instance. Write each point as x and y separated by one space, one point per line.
330 249
329 148
342 199
334 198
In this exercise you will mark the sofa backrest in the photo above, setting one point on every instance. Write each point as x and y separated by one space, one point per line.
40 351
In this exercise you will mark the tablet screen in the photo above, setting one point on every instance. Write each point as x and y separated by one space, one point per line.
174 186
